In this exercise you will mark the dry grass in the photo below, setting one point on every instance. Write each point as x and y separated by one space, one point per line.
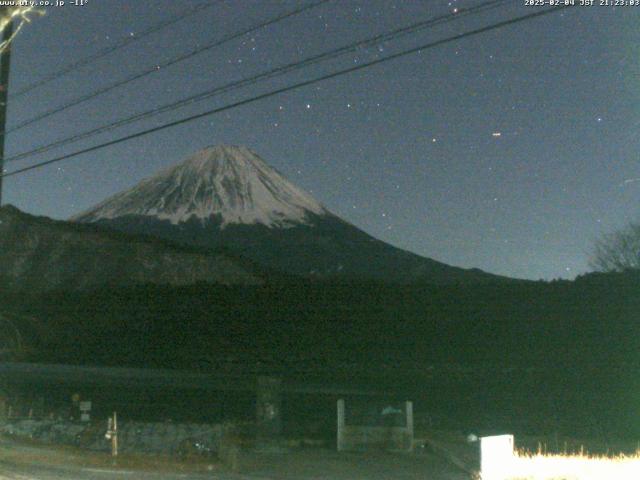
525 464
579 466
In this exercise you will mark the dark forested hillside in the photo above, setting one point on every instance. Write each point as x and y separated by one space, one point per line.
510 348
516 324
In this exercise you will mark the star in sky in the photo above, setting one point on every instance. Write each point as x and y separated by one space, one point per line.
371 127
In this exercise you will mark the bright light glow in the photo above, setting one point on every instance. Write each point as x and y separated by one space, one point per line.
579 467
501 462
20 14
496 457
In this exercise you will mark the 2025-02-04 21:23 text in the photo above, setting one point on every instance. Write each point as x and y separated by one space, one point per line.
582 3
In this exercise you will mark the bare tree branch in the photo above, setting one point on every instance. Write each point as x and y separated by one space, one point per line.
618 251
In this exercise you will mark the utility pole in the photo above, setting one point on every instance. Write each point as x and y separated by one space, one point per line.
5 61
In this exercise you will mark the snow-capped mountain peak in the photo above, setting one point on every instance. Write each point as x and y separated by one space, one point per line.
228 183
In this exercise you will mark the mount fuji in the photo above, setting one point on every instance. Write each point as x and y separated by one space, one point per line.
227 196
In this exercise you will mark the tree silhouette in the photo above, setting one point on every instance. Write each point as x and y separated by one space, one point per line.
618 251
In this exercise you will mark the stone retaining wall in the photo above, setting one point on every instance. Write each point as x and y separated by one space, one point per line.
161 437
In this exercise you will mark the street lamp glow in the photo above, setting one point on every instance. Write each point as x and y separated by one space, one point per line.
22 15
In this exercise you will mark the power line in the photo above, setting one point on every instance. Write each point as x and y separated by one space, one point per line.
157 67
377 39
291 87
110 49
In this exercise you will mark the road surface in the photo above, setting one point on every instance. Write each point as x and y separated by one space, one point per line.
29 462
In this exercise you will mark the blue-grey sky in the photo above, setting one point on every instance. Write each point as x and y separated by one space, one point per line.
509 151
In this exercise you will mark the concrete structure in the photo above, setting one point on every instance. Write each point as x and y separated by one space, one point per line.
390 436
268 412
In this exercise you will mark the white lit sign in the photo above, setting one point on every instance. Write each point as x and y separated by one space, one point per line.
496 457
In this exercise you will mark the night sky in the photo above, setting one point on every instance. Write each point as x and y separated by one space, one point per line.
510 151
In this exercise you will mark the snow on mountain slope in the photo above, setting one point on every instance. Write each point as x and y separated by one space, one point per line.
229 183
227 197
